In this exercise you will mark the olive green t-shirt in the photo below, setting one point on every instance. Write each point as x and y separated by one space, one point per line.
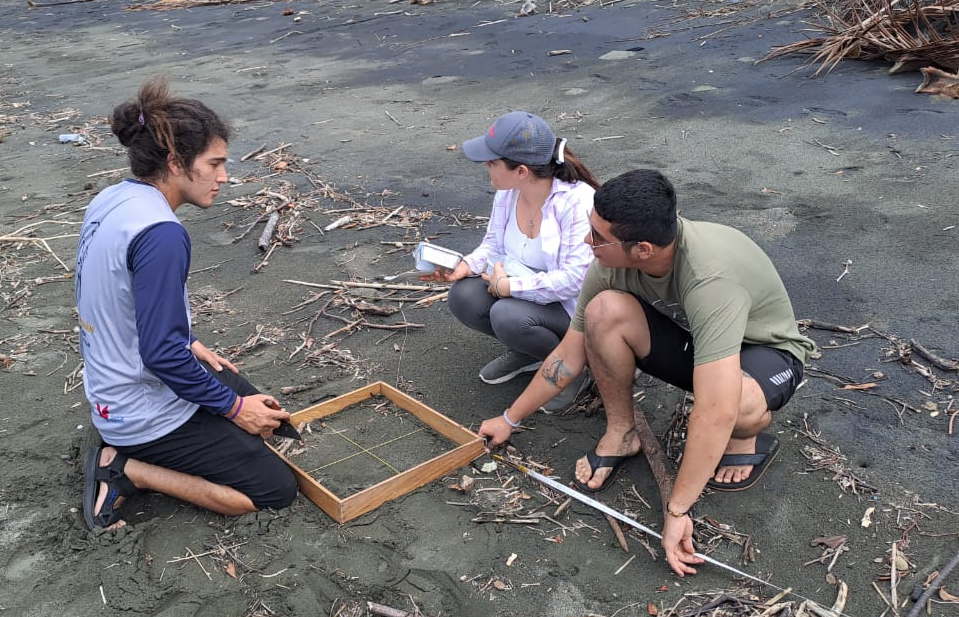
723 289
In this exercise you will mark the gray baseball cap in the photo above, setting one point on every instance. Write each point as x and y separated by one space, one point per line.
518 136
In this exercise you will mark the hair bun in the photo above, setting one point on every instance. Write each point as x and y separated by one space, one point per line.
125 122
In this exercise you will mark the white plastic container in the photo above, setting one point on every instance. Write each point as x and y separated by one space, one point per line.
428 256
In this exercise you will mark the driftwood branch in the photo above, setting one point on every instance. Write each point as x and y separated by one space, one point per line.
937 360
265 238
933 586
386 611
654 455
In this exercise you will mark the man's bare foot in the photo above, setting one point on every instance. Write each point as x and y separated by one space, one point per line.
106 457
738 473
611 444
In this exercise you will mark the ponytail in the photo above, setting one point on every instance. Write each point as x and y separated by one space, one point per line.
571 170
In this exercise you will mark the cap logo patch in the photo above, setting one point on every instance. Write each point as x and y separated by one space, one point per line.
492 131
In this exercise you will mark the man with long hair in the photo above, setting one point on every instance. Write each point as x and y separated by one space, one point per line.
175 417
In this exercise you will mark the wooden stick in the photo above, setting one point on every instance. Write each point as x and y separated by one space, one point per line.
562 507
277 149
618 532
386 611
107 172
516 521
42 242
822 325
933 586
264 242
397 287
428 300
253 153
623 567
654 455
894 579
33 4
937 360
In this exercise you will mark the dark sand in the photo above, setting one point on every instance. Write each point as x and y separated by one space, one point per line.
365 444
742 143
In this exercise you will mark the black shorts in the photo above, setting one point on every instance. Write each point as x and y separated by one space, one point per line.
670 358
214 448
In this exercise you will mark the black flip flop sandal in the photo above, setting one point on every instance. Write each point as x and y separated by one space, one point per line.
767 447
595 462
118 485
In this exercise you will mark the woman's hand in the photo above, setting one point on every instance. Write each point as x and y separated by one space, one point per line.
215 360
498 281
442 275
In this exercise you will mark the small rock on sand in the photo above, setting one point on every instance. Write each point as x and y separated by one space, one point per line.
617 55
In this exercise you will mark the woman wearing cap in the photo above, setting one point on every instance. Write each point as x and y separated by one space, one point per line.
533 258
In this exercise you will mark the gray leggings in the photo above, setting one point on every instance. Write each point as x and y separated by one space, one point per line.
523 326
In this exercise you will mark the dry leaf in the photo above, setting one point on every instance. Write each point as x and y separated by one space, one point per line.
280 165
651 609
288 11
452 148
6 361
230 569
937 81
945 596
860 386
901 564
867 517
500 585
878 375
663 588
930 406
831 578
466 483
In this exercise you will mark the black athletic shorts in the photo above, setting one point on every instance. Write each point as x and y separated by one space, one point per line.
670 358
214 448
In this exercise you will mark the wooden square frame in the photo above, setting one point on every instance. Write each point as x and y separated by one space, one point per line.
342 510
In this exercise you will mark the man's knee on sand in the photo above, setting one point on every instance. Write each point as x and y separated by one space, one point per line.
610 310
277 489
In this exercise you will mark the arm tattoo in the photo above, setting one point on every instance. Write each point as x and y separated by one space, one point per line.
557 372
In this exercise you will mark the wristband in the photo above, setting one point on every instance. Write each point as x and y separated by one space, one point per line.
669 511
237 411
510 422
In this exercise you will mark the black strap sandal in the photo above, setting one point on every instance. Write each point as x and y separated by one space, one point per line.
595 462
767 447
118 486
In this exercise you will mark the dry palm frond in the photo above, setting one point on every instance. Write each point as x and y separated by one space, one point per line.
923 32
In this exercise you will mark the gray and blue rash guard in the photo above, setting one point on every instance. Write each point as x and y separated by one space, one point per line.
140 377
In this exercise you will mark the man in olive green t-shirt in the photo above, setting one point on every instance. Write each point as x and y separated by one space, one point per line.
698 305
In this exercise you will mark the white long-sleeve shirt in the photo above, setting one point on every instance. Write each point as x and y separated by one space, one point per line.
563 230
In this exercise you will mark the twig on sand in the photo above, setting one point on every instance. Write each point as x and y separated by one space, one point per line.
623 567
280 38
618 532
937 360
42 242
264 242
933 586
388 611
